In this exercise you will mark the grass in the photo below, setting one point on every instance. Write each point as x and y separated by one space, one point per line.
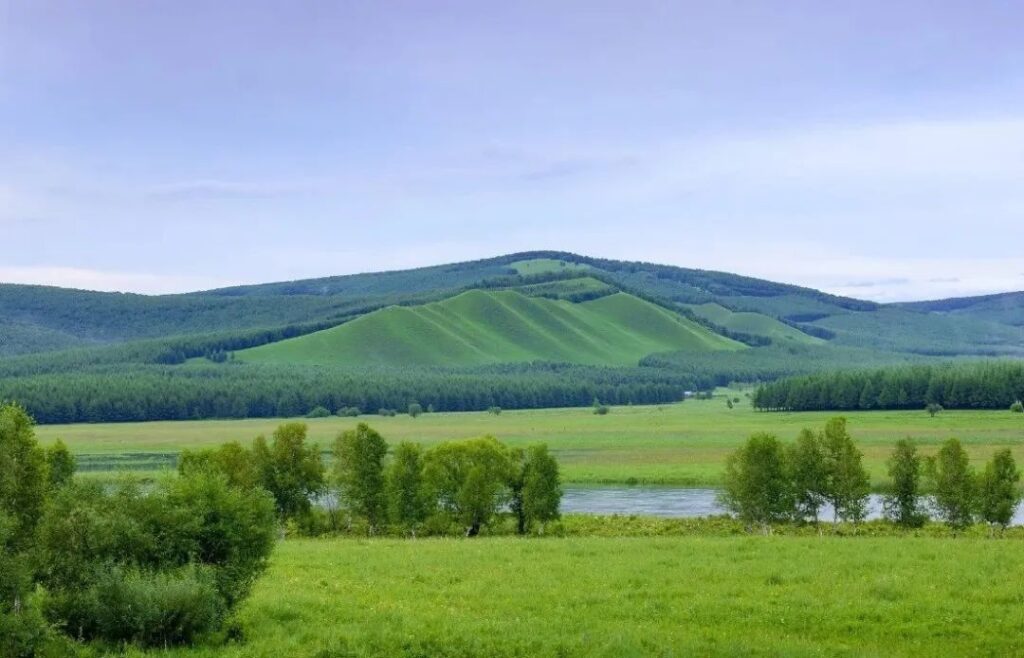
755 324
479 327
673 444
672 596
546 266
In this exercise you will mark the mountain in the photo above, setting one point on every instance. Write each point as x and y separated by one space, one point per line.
483 327
38 319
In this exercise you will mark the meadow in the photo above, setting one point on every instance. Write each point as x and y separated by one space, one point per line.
683 444
670 596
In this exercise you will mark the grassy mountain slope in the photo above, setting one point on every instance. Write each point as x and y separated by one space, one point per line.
756 324
40 319
479 327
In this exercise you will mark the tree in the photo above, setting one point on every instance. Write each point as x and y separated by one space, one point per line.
806 461
415 409
542 489
848 483
289 469
1000 492
535 487
359 472
60 464
406 502
1017 407
468 479
24 479
231 459
933 408
954 484
757 487
902 503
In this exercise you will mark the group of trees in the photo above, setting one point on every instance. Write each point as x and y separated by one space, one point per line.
768 481
235 390
981 385
409 490
79 562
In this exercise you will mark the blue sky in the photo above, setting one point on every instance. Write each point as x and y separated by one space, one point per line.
874 149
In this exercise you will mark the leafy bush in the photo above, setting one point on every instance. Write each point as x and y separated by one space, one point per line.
1017 407
494 411
348 412
149 608
415 409
601 409
318 412
160 566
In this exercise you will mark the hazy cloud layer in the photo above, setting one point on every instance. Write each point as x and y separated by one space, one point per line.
871 150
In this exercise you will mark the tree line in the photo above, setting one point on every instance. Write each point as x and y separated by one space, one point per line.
768 481
457 487
977 385
236 390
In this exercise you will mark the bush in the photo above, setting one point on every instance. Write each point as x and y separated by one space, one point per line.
383 411
146 608
159 566
494 411
1017 407
318 412
348 412
757 487
415 409
933 409
601 410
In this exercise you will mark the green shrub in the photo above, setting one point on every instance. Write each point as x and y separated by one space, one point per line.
1017 407
348 412
601 410
415 409
318 412
143 607
494 411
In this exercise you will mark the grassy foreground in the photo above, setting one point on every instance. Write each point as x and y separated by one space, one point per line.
672 444
674 596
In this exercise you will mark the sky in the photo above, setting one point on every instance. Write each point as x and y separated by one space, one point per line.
872 149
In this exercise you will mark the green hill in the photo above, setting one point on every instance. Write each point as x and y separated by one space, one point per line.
479 327
755 324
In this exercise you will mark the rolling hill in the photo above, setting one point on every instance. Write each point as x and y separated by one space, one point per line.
756 324
487 327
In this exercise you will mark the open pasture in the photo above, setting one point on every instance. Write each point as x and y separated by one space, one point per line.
671 596
683 444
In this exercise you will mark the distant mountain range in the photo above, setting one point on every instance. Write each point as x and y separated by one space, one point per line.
721 308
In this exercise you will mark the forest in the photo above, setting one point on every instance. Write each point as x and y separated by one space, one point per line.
974 385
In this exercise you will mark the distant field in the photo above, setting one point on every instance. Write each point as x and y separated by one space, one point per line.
485 327
677 596
673 444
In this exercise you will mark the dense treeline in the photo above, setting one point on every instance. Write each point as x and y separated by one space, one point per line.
770 363
456 487
768 481
235 390
979 385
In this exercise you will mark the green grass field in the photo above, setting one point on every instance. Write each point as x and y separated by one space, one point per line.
614 597
479 327
673 444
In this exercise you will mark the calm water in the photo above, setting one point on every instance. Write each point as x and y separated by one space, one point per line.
672 502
